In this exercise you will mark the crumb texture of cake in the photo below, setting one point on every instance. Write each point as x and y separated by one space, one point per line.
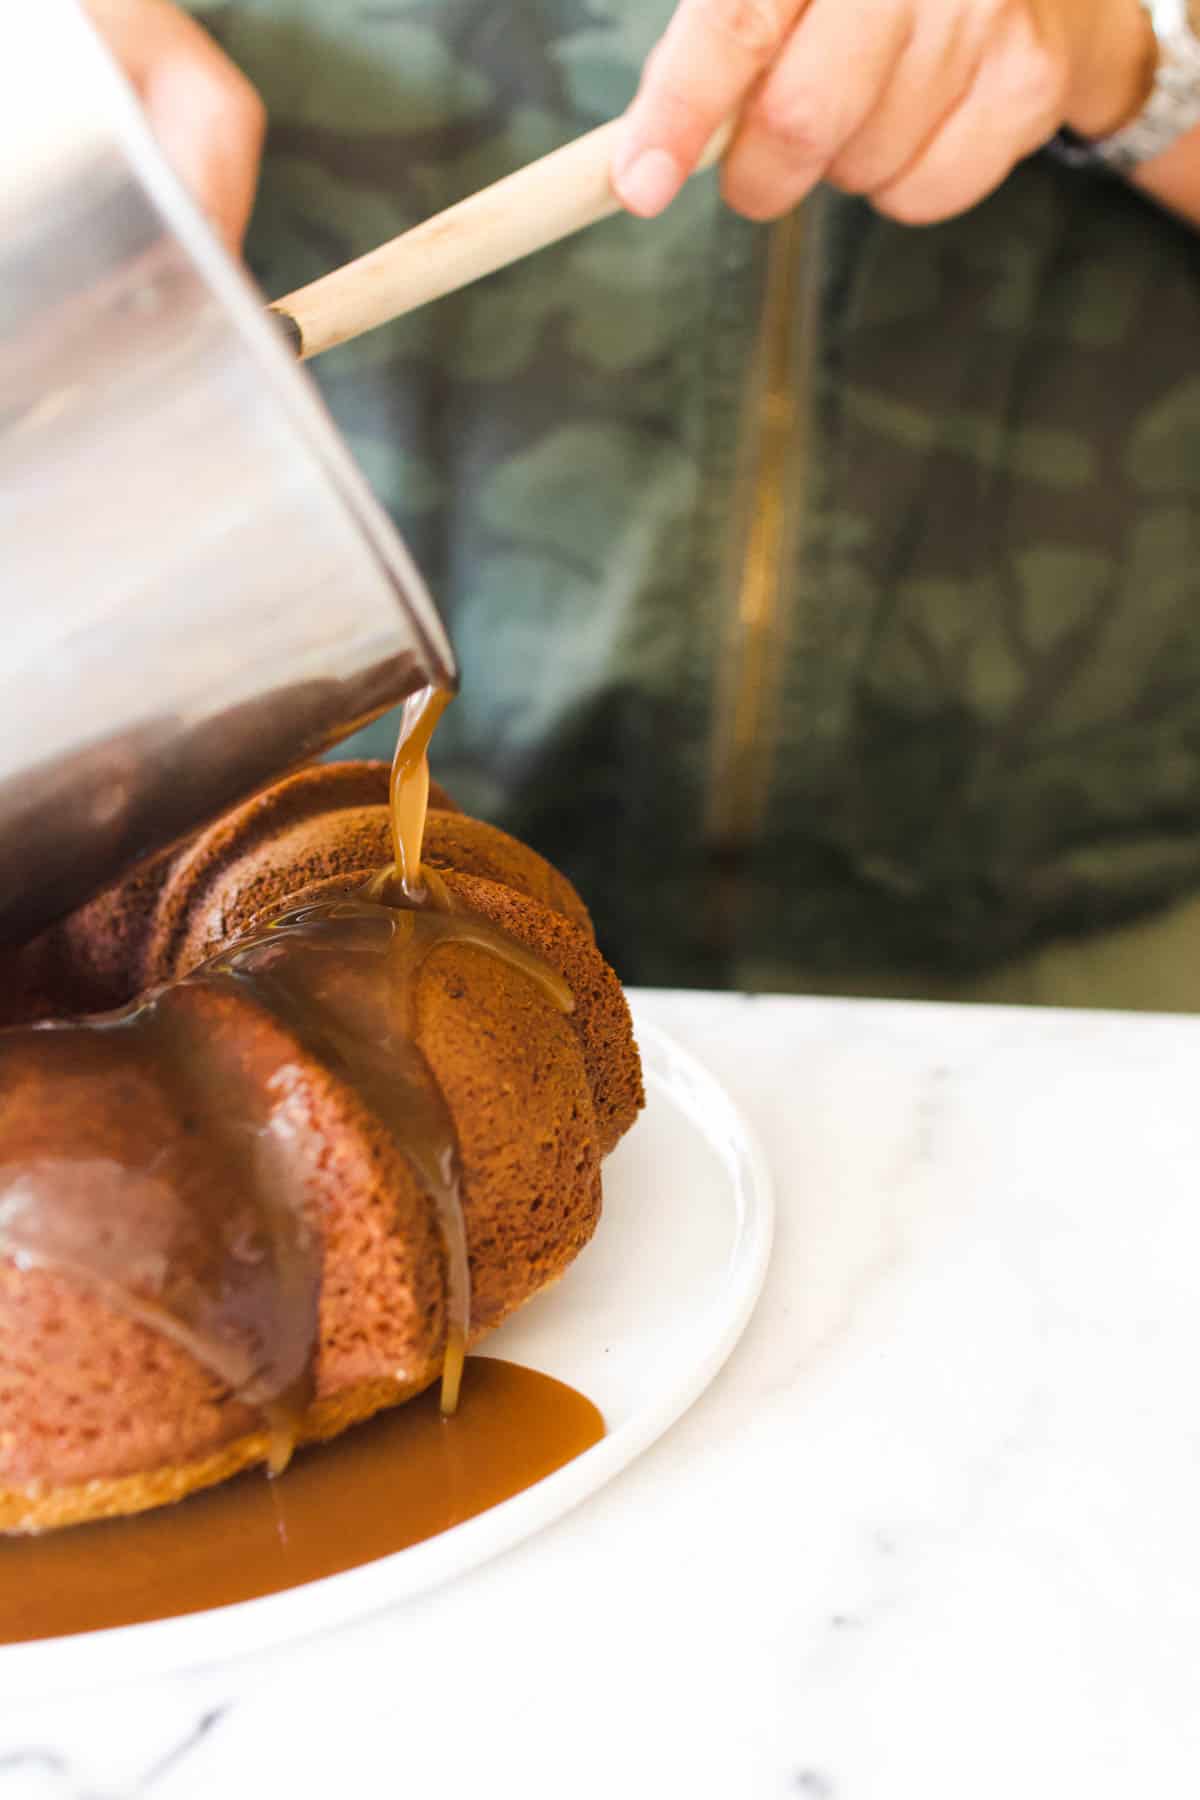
223 1023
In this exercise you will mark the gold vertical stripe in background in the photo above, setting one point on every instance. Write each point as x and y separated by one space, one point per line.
767 512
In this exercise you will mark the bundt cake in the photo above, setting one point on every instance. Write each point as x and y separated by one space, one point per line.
262 1137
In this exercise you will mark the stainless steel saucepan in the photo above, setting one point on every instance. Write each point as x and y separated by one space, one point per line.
197 589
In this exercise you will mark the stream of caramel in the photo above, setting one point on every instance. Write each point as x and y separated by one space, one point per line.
409 786
425 899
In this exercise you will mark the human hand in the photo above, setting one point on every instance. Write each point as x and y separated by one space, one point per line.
923 105
207 117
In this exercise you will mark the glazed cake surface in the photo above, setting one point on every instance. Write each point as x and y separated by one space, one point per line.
101 1410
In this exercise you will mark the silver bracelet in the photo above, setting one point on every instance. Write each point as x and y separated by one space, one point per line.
1170 112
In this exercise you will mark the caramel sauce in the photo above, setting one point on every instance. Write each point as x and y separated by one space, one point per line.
409 788
405 884
395 1481
210 1246
343 975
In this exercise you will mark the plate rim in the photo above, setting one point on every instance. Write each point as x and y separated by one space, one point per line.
247 1628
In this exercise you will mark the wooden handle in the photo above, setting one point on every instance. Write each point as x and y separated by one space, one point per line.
548 200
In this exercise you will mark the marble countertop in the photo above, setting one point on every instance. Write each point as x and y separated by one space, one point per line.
932 1531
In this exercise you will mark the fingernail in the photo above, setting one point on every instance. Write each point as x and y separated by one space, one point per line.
650 183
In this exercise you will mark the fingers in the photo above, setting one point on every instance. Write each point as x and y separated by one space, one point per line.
938 67
706 62
798 122
1014 104
207 117
923 105
211 132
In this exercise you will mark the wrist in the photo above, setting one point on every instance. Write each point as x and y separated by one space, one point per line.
1116 69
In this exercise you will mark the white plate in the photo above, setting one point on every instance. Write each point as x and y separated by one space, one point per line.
640 1324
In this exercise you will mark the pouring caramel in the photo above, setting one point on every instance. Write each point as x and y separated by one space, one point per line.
409 788
426 1126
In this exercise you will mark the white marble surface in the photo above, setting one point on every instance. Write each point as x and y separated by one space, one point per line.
933 1531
